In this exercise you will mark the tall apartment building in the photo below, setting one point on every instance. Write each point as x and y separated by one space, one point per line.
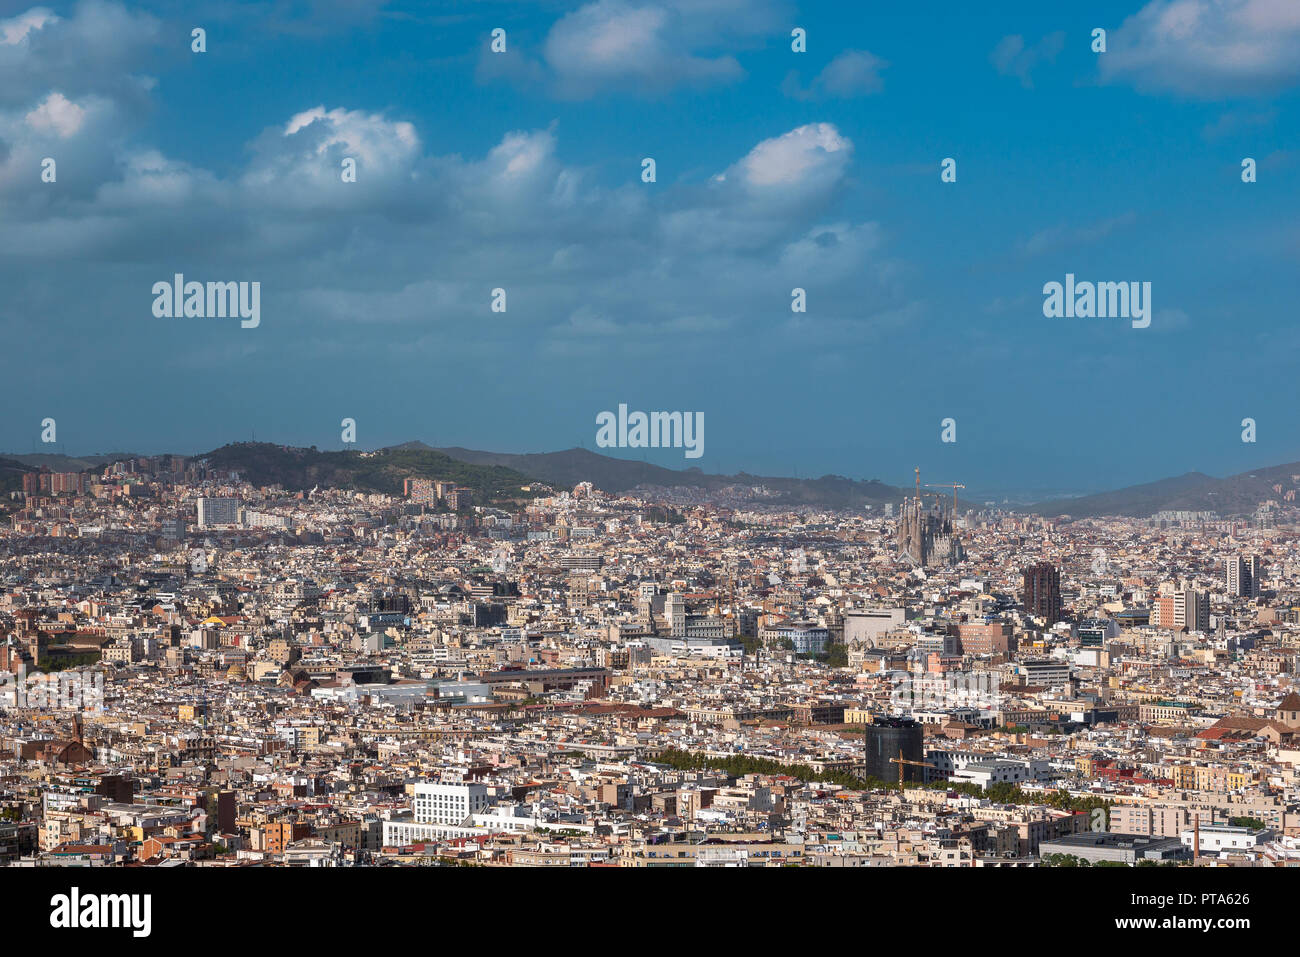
1243 576
54 483
420 491
218 511
1189 609
1195 611
1256 566
1042 592
62 482
675 614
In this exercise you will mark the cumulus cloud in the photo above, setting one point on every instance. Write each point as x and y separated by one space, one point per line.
16 29
1207 48
776 188
97 49
300 163
612 42
79 135
546 223
57 114
424 234
647 47
810 156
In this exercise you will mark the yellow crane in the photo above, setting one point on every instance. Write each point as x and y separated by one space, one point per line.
952 485
904 762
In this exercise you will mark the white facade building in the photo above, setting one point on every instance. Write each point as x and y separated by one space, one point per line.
218 511
449 803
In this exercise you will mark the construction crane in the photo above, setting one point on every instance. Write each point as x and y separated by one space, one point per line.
952 485
902 762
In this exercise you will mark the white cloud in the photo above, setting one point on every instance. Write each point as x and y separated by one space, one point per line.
299 164
521 154
17 29
77 135
770 195
1207 48
98 49
816 152
638 45
647 47
370 138
57 114
580 261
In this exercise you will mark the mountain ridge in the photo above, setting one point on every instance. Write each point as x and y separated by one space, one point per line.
616 475
1238 494
501 475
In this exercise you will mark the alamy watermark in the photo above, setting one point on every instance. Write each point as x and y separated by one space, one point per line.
214 300
77 690
75 910
651 430
1100 300
946 690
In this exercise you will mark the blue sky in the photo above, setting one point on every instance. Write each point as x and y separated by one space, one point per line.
775 170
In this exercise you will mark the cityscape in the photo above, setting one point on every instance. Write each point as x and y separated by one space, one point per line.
209 672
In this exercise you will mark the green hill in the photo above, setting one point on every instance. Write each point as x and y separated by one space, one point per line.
11 475
263 463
